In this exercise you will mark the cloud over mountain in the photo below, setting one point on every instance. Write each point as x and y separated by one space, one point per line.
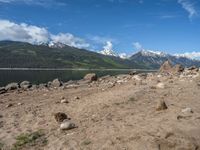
137 45
22 32
36 35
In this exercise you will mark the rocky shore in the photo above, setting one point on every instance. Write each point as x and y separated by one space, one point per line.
153 111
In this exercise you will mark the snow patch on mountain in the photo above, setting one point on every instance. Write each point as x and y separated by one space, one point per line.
152 53
108 49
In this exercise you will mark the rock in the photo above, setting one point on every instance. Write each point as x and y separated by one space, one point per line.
90 77
56 83
64 101
143 75
160 85
12 86
76 97
42 86
34 87
2 90
161 105
137 77
25 85
178 68
193 68
187 110
60 117
133 73
67 125
9 105
49 84
19 104
166 67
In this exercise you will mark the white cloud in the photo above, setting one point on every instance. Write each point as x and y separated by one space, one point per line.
100 39
124 56
43 3
22 32
6 1
69 39
192 55
189 7
137 45
36 35
108 46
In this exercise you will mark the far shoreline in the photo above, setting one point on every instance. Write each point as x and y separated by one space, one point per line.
75 69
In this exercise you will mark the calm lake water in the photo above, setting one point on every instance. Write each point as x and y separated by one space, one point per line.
43 76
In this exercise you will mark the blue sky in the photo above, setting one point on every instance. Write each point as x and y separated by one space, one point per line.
172 26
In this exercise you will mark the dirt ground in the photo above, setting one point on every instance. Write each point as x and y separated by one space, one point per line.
113 113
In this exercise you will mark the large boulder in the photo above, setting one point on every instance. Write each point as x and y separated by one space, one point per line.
12 86
166 67
56 83
90 77
25 85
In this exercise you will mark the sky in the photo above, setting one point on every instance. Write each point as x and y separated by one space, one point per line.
171 26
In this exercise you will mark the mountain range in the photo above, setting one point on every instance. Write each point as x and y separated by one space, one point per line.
57 55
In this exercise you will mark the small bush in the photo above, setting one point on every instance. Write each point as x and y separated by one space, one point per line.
87 142
1 146
30 139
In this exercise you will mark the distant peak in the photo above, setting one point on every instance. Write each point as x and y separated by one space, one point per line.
152 53
108 52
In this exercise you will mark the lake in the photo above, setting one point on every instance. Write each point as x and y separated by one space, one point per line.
43 76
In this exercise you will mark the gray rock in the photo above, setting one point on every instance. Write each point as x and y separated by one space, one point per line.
2 90
56 83
90 77
25 85
67 125
42 86
49 84
187 110
12 86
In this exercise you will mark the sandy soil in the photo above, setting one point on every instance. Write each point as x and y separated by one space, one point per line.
113 113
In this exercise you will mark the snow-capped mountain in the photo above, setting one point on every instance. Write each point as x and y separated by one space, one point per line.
153 53
108 52
155 58
56 45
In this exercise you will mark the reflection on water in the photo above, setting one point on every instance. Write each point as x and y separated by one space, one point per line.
43 76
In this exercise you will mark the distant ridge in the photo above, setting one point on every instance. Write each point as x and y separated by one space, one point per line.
57 55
